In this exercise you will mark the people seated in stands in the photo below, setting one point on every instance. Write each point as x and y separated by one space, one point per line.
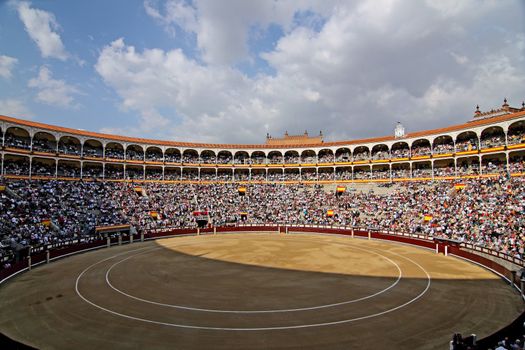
487 212
17 142
421 151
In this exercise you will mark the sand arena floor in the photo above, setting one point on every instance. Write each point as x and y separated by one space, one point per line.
255 291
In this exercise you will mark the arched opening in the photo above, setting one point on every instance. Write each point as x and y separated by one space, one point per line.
258 175
114 151
44 142
343 173
92 170
241 157
517 162
114 171
16 165
172 155
242 174
275 175
68 168
134 172
516 133
291 157
153 173
325 156
444 168
292 174
154 154
208 174
326 173
401 170
69 145
467 166
275 157
443 145
467 141
492 137
422 170
308 174
361 153
135 152
16 137
400 150
43 167
190 174
258 157
362 172
494 164
225 174
93 149
171 173
380 171
224 157
208 157
308 157
343 155
380 152
190 156
421 148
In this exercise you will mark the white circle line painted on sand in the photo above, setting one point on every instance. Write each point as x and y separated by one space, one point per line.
400 274
313 325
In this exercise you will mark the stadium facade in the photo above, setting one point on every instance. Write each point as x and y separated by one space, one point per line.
491 143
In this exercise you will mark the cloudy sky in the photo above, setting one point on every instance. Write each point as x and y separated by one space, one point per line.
230 71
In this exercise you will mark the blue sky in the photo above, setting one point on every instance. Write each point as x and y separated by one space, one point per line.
230 71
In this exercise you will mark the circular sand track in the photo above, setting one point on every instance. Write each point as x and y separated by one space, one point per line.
255 291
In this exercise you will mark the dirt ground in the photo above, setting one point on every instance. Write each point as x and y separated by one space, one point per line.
255 291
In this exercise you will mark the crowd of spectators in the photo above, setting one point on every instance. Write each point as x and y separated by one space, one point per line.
34 213
487 212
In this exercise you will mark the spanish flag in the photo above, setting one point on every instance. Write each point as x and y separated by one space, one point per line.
137 189
459 186
46 222
341 189
329 213
2 188
427 217
154 214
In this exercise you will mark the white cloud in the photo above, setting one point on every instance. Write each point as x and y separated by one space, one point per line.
6 66
175 11
366 66
14 108
42 27
53 92
223 28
